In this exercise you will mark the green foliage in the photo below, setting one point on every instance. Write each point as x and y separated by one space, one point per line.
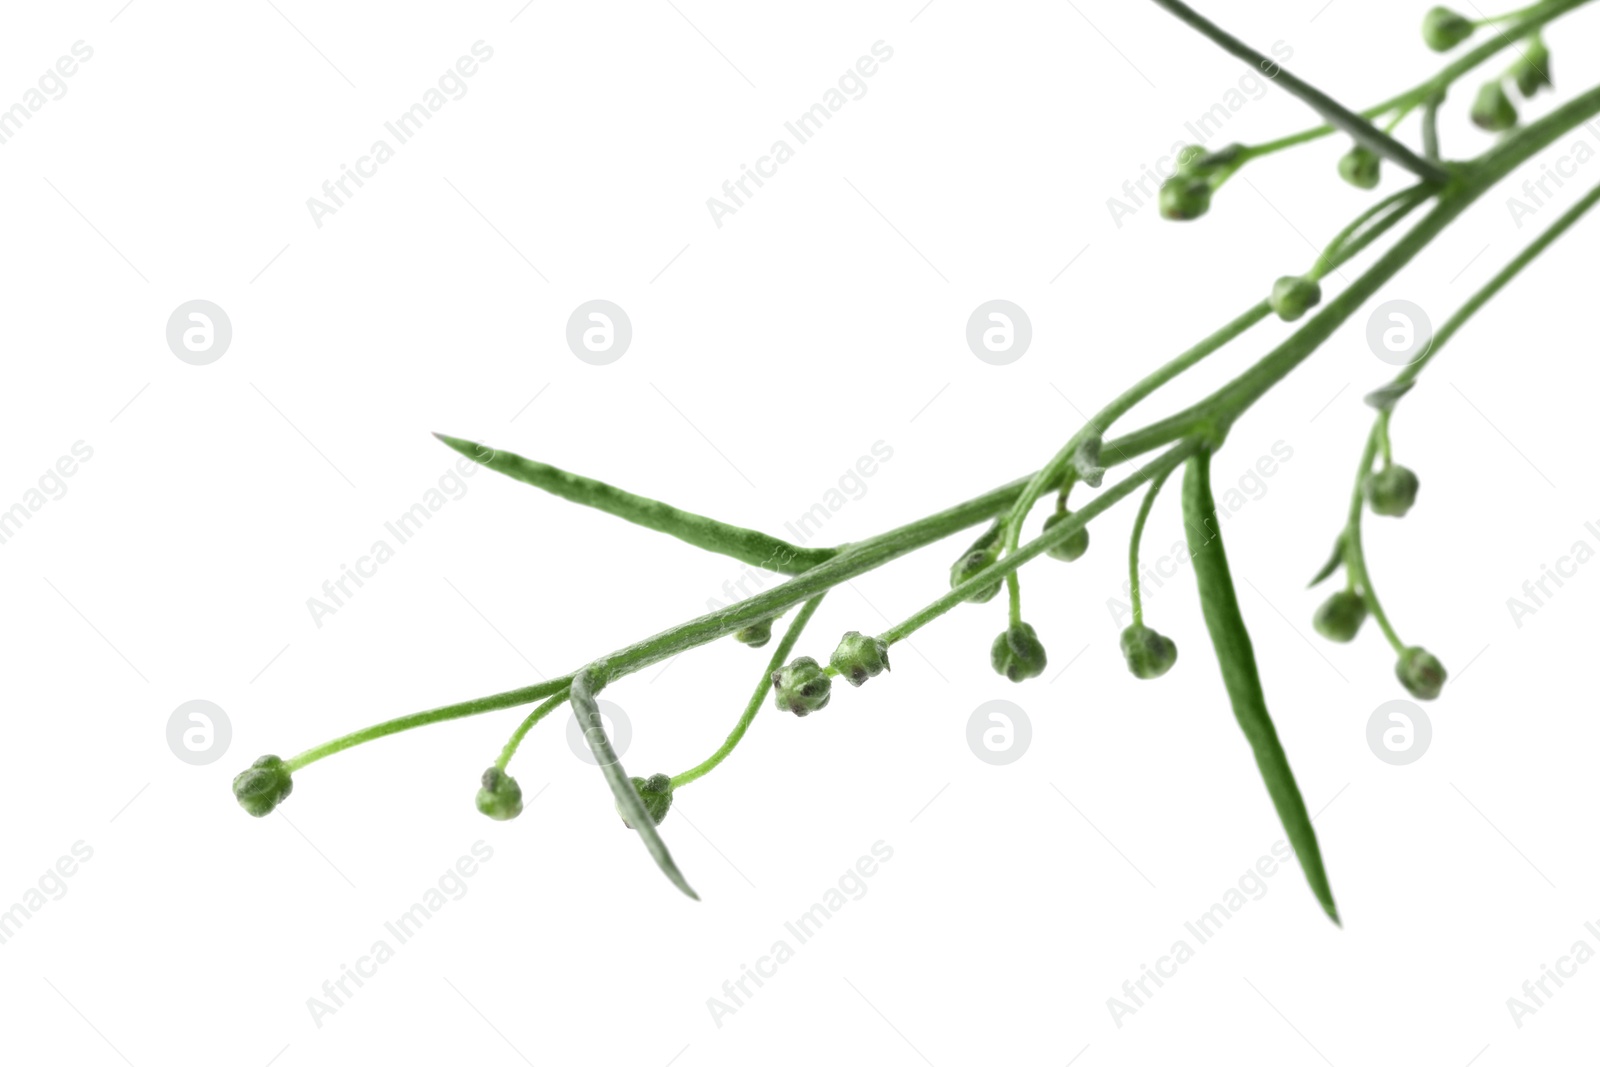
1187 436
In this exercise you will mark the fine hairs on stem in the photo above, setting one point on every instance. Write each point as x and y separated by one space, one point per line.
1188 438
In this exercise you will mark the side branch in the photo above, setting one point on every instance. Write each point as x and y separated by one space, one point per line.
1330 109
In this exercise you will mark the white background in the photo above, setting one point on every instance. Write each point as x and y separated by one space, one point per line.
768 355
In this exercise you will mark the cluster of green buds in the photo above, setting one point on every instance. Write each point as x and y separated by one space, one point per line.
263 785
1492 109
499 795
802 687
1018 653
980 555
1187 194
859 657
1391 491
1293 295
1148 653
1339 617
656 792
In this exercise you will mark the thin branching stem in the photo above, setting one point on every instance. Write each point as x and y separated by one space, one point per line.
780 656
1336 114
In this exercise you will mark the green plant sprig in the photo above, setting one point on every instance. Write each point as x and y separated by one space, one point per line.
1195 431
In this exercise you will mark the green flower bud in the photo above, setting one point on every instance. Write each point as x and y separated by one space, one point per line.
1420 672
1359 167
1188 159
1340 616
1293 296
1017 653
982 552
801 687
859 657
1391 491
755 635
1443 29
1149 654
656 792
1184 197
263 786
1532 69
500 797
1074 546
1493 110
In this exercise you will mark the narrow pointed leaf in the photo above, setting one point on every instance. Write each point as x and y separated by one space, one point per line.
1332 565
1385 398
1220 605
588 712
749 546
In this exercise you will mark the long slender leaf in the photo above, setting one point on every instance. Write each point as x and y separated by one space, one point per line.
1220 605
1326 570
749 546
588 712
